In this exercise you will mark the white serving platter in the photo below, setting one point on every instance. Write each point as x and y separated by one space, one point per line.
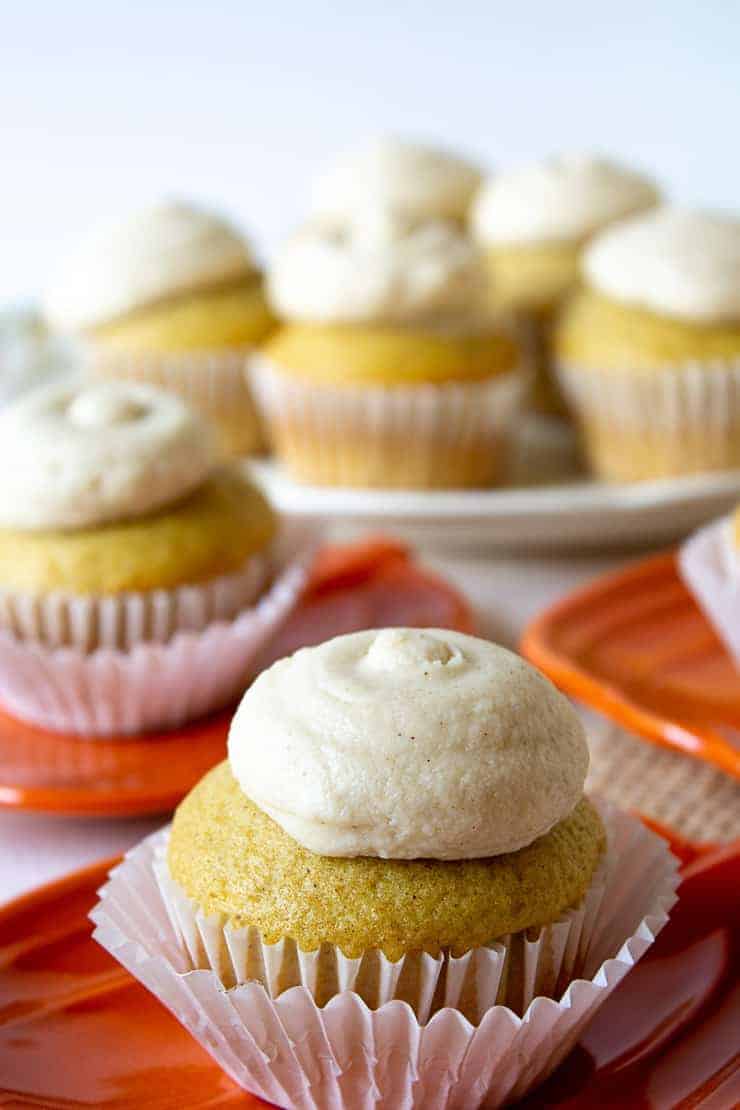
577 514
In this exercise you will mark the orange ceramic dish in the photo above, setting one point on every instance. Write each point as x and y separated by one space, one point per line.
371 584
636 647
77 1031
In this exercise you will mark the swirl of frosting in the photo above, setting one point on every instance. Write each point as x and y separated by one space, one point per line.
385 270
408 744
81 455
673 262
561 199
164 251
389 173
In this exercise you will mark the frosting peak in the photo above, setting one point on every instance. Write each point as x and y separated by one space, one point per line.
680 263
423 182
562 198
409 744
164 251
400 647
387 269
74 456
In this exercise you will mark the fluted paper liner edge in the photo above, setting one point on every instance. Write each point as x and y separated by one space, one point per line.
291 1051
151 686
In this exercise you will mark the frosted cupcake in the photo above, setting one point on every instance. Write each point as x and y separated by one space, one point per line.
410 179
398 851
126 553
173 297
649 350
387 372
533 223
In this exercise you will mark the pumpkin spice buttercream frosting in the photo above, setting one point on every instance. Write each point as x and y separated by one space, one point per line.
396 175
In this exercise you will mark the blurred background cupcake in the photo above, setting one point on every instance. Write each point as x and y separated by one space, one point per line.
409 178
389 371
533 223
133 567
649 350
172 296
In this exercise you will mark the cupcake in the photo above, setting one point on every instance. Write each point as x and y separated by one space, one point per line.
172 297
394 884
387 372
128 557
420 182
533 223
709 563
649 350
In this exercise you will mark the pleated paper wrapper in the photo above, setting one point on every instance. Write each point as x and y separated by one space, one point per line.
666 421
179 657
445 434
710 567
437 1032
212 382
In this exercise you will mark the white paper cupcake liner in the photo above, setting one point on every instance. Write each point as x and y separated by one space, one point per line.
685 417
124 620
710 567
112 692
317 428
213 382
347 1054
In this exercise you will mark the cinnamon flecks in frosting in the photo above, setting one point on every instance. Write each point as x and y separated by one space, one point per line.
164 251
561 199
409 744
79 455
389 173
674 262
384 269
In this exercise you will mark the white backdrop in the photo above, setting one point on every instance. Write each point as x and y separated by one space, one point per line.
108 105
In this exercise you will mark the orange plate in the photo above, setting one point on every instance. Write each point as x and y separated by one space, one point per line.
77 1031
635 646
365 585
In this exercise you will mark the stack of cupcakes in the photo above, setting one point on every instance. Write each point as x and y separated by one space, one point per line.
172 297
139 578
395 885
389 370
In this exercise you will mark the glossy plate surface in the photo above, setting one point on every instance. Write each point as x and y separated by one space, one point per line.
76 1031
636 647
364 585
545 517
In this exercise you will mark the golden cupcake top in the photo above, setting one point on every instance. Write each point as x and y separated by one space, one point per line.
381 354
672 262
81 455
162 252
409 744
564 198
424 182
383 268
231 859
